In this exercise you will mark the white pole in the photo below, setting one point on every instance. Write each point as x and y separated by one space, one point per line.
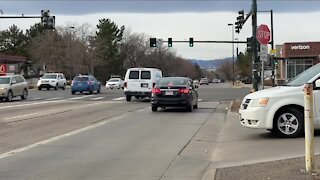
309 129
262 75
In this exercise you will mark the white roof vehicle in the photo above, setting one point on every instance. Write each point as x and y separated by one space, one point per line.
140 81
114 83
281 109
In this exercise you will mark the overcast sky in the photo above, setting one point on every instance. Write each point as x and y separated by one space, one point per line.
179 19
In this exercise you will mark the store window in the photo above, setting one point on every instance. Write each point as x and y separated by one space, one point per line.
297 66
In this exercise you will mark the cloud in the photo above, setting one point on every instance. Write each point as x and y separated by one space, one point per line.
74 7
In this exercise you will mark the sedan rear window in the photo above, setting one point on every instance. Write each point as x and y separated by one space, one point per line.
145 75
81 78
173 81
134 75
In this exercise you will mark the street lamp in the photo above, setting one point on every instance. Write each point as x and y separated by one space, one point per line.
232 52
70 40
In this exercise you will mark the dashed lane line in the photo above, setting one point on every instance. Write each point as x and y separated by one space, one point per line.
119 99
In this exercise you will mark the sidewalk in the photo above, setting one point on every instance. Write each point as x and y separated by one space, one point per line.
287 169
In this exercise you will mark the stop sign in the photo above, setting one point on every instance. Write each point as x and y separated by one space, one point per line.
263 34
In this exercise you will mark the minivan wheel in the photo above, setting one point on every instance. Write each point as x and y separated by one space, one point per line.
25 94
128 98
9 96
289 123
64 87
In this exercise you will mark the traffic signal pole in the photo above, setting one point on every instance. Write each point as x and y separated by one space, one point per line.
272 47
255 59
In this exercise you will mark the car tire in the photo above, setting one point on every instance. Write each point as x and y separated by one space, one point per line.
154 108
39 88
64 87
190 108
48 88
24 94
73 92
196 105
9 96
56 87
128 98
288 123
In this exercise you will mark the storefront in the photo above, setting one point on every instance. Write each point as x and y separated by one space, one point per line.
11 64
296 57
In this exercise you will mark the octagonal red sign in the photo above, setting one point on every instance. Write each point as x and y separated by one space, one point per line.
263 34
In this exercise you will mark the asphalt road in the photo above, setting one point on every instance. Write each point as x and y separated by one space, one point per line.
56 135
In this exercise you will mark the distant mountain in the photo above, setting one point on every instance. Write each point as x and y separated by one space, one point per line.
210 64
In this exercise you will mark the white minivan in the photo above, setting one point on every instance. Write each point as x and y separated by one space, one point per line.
139 82
281 109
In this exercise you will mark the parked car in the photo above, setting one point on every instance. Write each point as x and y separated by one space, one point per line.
114 83
140 81
215 80
85 83
12 86
174 92
196 82
281 109
52 80
204 81
247 80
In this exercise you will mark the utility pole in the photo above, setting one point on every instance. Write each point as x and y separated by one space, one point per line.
255 59
272 47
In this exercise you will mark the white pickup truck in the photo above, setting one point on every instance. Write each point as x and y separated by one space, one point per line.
281 109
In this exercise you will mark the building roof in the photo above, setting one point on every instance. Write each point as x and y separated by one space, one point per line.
11 58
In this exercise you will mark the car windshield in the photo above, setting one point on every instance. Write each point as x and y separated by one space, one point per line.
4 80
49 76
305 76
113 80
174 81
79 78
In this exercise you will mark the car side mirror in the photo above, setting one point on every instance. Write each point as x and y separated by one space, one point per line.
14 82
318 83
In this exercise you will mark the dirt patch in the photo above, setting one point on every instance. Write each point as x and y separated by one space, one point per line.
236 105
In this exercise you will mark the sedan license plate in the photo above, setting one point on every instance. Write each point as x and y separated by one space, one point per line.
169 93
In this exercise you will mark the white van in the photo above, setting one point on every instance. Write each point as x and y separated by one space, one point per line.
139 82
281 109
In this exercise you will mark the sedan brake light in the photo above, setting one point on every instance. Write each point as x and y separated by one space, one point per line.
156 91
184 91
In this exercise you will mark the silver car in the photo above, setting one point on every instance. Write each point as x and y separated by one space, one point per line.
12 86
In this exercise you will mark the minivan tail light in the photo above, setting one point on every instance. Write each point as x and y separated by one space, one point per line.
125 84
184 91
156 91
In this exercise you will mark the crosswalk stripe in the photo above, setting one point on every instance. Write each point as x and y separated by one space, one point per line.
98 98
54 98
81 97
119 99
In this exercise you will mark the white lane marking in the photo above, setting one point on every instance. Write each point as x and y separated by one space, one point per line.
97 98
21 105
10 153
81 97
36 98
119 99
54 98
15 117
140 110
199 100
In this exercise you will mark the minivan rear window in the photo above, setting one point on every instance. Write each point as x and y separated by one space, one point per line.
134 75
145 75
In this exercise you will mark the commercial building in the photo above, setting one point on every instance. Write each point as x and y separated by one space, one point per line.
11 64
295 57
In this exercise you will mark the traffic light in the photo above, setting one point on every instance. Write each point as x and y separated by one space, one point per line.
275 61
169 42
240 21
190 42
249 44
153 42
46 20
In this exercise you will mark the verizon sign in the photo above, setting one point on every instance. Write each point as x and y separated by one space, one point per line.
300 47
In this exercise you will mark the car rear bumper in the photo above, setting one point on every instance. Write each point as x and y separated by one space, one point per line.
137 93
81 88
47 85
171 102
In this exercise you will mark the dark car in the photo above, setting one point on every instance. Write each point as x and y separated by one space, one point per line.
174 92
85 83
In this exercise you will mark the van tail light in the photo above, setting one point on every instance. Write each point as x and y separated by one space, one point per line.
184 91
125 84
156 91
